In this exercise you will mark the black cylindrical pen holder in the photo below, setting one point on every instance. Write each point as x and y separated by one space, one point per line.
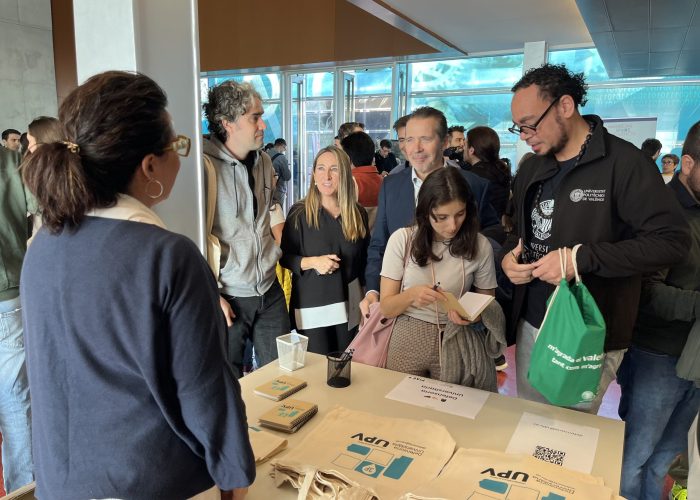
339 365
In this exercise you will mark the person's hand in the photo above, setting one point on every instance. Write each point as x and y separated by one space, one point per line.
235 494
455 318
240 493
424 295
548 268
369 299
326 264
228 311
517 273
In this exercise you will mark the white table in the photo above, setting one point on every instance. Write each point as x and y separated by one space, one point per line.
492 428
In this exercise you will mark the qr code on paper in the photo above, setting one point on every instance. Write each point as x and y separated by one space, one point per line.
549 455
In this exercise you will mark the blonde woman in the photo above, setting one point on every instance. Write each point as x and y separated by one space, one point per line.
324 244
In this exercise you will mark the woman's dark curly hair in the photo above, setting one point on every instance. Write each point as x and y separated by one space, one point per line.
441 187
554 81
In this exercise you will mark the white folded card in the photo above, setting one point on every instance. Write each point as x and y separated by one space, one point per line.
469 306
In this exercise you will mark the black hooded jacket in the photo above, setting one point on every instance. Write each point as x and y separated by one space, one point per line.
616 205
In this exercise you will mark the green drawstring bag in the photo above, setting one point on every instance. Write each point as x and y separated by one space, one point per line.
567 358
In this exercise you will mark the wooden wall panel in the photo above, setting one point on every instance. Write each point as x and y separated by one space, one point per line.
359 35
238 34
64 47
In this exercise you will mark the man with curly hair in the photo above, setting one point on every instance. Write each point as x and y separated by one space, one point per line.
251 297
583 187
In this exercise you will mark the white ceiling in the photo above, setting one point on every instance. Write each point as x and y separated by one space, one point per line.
645 37
497 25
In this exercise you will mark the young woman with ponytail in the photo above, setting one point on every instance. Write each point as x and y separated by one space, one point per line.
123 328
482 151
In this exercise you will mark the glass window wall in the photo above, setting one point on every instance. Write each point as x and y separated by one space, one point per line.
471 91
372 100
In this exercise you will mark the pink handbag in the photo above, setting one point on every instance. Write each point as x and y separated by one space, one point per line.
372 340
371 343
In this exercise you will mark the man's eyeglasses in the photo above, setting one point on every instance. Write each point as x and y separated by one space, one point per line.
181 145
668 162
531 129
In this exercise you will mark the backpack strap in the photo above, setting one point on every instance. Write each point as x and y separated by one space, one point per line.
275 156
213 244
211 192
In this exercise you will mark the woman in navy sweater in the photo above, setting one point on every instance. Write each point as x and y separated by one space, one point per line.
131 395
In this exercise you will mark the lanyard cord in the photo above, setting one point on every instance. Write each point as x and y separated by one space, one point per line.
437 316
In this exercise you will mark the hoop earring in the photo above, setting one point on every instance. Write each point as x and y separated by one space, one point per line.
160 192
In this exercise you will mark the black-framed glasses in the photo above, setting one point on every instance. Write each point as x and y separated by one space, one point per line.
181 145
531 129
667 162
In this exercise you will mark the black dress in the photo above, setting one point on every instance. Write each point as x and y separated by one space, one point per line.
318 306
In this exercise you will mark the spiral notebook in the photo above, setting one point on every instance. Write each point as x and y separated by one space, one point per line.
289 415
280 387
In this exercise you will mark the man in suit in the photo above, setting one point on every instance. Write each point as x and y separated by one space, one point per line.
426 139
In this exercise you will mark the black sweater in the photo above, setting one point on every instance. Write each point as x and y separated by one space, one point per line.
299 240
131 396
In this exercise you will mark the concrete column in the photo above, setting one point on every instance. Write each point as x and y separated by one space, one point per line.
160 39
27 78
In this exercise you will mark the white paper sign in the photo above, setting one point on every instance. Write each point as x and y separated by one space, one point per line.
441 396
562 443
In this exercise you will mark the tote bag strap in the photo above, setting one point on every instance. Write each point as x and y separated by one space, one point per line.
562 262
562 266
573 261
406 256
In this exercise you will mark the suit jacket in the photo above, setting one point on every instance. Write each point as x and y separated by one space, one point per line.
397 209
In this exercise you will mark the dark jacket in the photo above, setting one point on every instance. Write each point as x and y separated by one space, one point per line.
15 202
385 164
283 173
622 214
397 209
670 296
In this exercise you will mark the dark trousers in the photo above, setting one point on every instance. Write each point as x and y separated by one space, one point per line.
261 319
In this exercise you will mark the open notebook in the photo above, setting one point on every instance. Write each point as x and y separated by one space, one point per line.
469 306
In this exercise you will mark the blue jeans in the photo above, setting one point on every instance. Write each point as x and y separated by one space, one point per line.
658 409
15 413
261 319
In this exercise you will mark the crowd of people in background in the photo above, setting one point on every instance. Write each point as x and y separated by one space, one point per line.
141 355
